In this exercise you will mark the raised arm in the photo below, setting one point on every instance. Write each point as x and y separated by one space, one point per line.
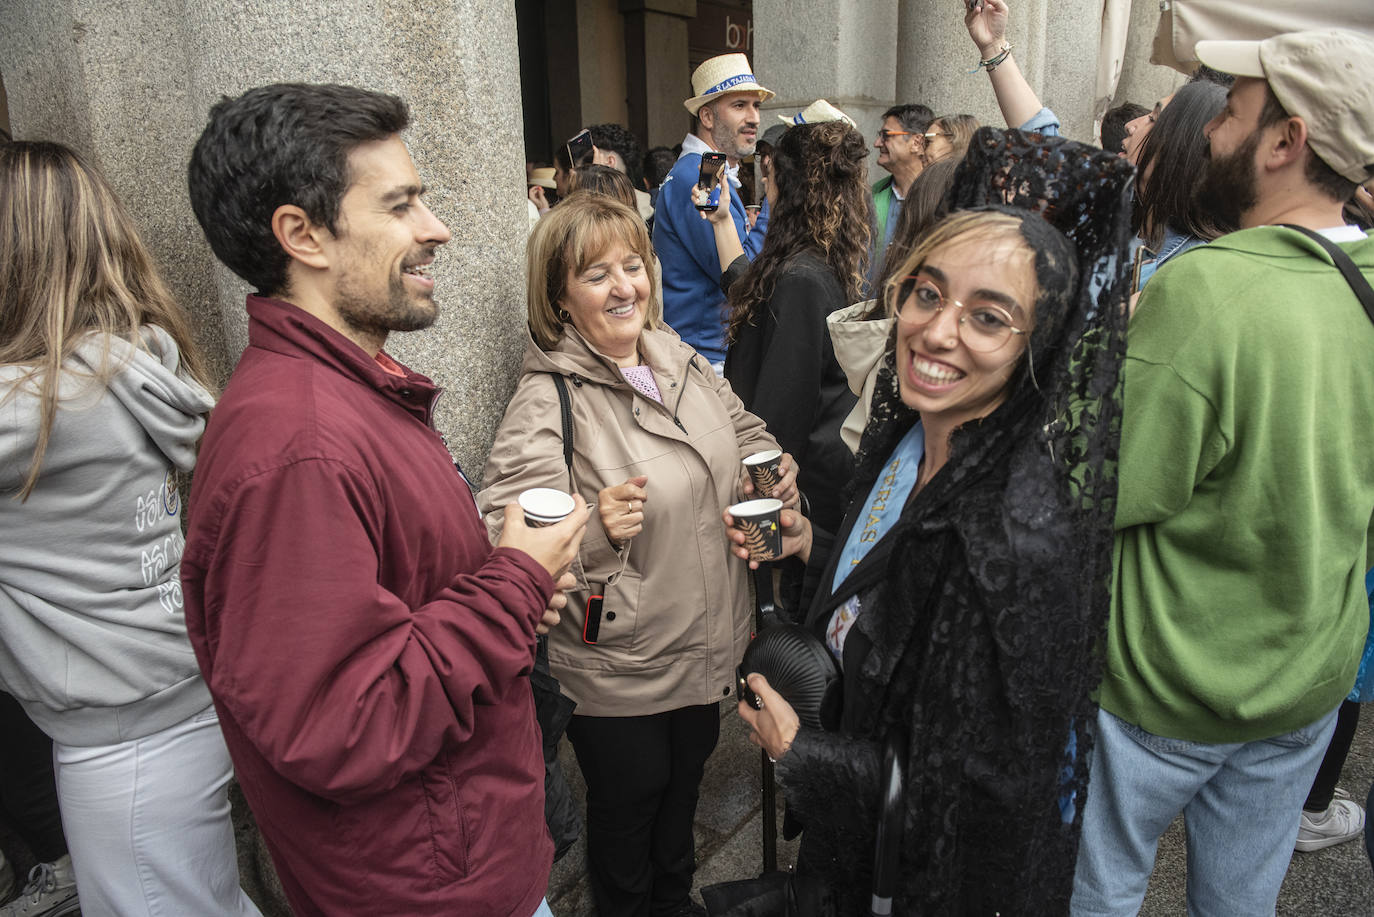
728 245
987 26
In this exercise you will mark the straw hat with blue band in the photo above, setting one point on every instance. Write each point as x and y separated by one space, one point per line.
719 75
818 112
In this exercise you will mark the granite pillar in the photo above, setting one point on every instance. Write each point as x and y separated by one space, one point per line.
1141 81
844 51
1054 41
130 84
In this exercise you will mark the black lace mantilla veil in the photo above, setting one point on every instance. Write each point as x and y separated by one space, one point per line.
987 628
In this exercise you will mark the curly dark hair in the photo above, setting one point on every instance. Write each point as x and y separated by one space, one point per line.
287 143
823 206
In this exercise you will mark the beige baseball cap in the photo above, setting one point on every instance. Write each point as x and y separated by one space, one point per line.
1325 77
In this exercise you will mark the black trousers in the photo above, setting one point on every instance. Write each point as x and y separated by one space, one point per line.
1324 784
28 793
643 776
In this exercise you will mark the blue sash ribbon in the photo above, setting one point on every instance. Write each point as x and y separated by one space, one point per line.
885 501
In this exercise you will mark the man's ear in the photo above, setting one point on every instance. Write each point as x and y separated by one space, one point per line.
613 160
707 116
299 237
1287 144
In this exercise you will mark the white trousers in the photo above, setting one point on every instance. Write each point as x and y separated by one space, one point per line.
147 824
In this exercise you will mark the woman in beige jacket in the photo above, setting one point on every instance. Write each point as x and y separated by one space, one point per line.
657 443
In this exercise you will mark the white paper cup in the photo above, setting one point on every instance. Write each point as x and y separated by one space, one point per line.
763 471
545 506
758 520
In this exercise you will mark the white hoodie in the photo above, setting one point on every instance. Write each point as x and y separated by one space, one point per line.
92 635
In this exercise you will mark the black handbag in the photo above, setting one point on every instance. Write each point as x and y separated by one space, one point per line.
789 894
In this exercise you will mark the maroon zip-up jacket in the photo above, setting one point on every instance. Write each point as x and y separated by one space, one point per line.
365 645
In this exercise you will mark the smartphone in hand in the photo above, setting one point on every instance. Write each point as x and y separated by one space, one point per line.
712 174
580 149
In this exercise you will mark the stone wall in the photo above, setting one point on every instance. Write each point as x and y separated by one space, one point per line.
130 83
865 55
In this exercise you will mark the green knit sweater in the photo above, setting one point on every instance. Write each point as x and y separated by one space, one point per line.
1246 492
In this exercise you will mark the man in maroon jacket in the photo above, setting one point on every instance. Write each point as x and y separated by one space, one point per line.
365 645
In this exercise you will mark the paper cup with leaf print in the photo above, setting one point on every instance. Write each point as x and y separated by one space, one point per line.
759 521
763 471
544 506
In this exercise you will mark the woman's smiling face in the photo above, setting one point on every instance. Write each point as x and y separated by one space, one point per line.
607 301
939 375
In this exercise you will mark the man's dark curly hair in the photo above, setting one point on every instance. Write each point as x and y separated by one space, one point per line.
823 207
620 141
287 143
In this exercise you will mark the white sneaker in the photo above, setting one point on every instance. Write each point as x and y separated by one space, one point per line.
50 892
1342 821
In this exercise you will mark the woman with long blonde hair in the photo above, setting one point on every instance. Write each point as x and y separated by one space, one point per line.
103 397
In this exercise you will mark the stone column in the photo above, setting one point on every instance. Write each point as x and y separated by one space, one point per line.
130 84
1054 41
656 72
844 51
1141 81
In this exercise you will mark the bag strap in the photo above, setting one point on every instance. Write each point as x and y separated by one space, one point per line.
1363 292
565 408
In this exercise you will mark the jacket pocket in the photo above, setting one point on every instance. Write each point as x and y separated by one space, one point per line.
620 612
447 830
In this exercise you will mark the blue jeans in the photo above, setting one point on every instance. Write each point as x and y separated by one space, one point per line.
1240 802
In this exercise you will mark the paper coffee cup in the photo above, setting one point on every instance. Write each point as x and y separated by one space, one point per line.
544 506
758 520
763 471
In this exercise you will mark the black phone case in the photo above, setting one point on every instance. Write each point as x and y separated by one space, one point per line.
591 623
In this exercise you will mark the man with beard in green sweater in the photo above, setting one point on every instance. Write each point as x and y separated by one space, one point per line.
1246 491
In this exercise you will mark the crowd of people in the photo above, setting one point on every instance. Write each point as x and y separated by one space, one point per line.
1075 501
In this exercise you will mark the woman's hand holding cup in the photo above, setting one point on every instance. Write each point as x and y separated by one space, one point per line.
796 537
622 509
786 487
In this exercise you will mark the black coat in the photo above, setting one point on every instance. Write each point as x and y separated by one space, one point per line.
969 645
784 370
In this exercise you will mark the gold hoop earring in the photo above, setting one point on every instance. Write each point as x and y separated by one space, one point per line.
563 316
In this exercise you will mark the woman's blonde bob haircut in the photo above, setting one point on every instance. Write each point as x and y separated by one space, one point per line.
568 238
72 263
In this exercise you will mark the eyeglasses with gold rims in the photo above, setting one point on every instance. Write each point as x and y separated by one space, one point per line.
985 324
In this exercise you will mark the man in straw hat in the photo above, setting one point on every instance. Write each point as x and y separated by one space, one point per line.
1246 492
725 102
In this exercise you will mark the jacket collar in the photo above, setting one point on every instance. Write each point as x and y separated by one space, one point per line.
280 327
663 352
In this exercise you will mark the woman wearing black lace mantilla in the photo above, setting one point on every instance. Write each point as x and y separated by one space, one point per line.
965 595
